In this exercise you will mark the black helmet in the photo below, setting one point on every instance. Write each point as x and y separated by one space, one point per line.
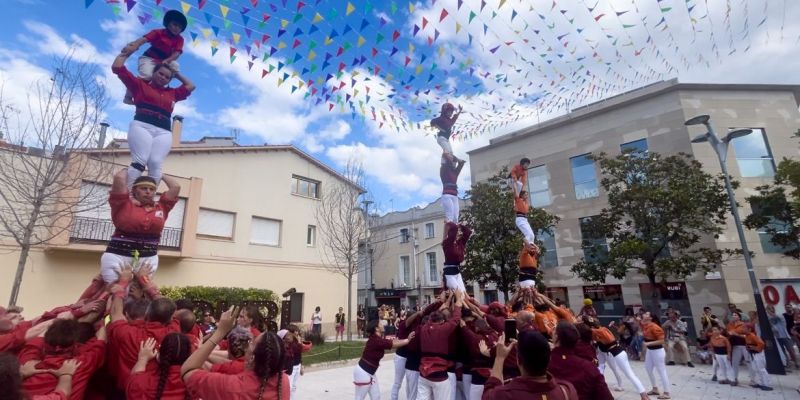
175 16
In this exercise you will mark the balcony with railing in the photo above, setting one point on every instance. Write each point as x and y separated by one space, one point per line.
98 230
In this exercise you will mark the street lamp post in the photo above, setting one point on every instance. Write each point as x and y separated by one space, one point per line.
368 253
720 146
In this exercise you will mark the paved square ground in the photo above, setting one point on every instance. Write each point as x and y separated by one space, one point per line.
336 383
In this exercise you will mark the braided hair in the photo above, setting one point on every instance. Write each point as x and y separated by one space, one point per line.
174 350
268 356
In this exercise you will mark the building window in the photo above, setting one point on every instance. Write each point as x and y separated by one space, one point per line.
215 223
429 232
539 186
557 294
265 231
296 307
595 247
753 155
305 187
637 147
603 292
584 177
548 239
433 272
311 236
405 270
489 296
765 233
404 235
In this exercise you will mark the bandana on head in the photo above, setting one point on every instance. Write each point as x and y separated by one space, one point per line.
151 185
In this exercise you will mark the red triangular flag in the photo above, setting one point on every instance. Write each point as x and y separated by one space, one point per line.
443 15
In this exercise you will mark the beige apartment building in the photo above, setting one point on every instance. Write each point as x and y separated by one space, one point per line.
407 259
562 180
245 218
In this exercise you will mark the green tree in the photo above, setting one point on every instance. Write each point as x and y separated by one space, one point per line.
661 210
775 212
493 250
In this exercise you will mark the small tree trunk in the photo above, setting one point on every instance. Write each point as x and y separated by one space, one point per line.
349 306
653 304
504 286
23 258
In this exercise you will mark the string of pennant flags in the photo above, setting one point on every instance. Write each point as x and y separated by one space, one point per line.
395 62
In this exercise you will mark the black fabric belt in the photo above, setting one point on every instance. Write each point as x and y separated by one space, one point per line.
656 347
451 270
153 52
153 120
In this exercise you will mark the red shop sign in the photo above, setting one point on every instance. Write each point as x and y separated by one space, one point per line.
772 295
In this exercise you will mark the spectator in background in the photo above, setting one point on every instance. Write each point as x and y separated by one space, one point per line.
340 322
676 330
785 345
588 309
733 309
316 321
361 319
209 324
708 320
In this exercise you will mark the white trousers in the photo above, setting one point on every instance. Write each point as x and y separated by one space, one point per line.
412 384
758 369
451 378
527 283
516 184
604 359
738 353
620 361
399 374
293 381
110 264
365 384
428 390
455 282
465 388
149 146
525 228
722 368
444 143
451 211
654 359
475 392
147 65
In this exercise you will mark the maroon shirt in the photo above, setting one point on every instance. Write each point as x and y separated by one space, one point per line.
435 344
587 379
449 175
472 340
586 351
373 352
525 387
454 248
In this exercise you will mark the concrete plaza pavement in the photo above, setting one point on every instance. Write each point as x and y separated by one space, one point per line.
335 382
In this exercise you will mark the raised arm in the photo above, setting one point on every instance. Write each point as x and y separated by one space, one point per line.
196 360
189 85
120 183
173 187
118 292
402 342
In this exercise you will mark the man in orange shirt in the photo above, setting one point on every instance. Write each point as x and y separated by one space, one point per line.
528 263
758 370
548 314
518 177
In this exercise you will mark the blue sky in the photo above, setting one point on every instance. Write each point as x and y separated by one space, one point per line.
378 70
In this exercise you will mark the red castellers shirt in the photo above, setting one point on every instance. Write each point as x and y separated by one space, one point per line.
223 344
54 395
154 105
14 340
373 353
143 385
435 347
91 356
163 44
125 337
231 367
129 218
583 375
244 386
525 387
449 175
454 248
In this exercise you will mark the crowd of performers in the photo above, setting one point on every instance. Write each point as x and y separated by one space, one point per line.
457 348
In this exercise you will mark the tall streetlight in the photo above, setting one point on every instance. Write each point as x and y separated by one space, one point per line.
368 253
720 146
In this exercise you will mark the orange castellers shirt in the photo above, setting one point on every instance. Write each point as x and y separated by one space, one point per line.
754 343
652 332
521 205
527 259
603 336
518 173
546 321
721 341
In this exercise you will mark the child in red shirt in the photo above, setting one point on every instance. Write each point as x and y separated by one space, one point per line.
166 45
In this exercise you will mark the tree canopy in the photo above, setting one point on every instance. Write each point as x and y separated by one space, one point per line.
662 211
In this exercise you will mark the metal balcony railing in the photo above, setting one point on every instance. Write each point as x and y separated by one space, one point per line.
95 230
